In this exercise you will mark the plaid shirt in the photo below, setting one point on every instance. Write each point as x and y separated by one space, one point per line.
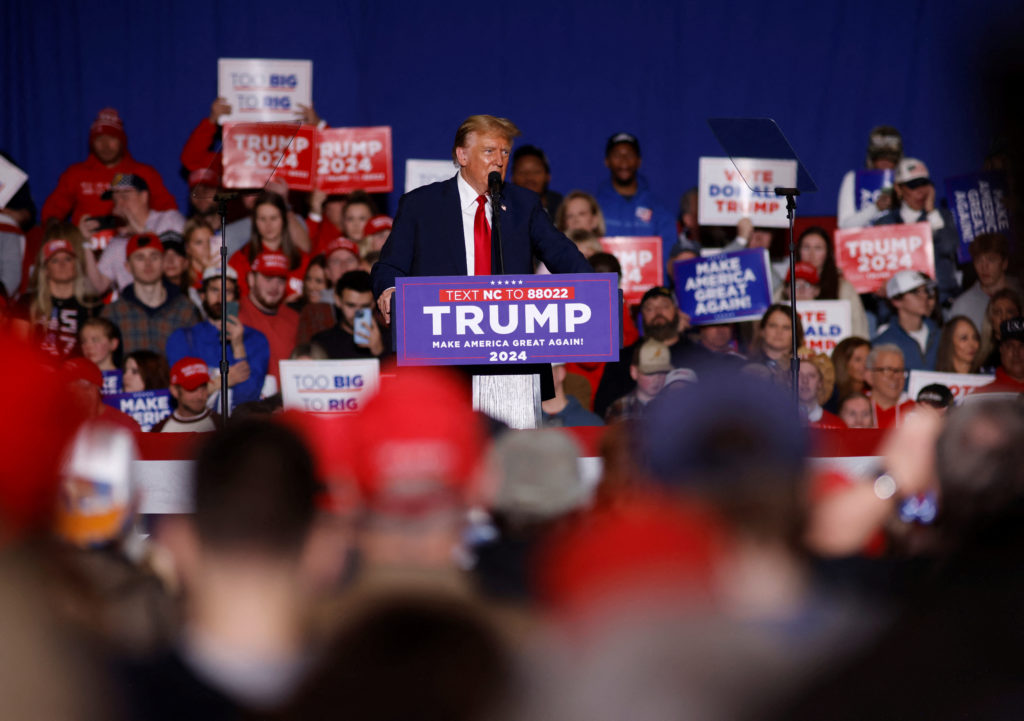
148 328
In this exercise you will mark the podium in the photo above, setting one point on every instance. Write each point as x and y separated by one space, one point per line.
502 327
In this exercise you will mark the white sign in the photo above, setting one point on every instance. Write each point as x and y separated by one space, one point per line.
725 197
425 172
260 90
826 322
329 386
961 384
11 179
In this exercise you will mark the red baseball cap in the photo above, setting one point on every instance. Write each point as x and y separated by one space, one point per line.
57 245
329 438
806 273
107 122
82 369
271 264
203 176
143 240
420 443
341 243
376 224
190 373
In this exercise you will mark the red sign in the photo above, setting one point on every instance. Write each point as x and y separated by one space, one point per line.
255 152
868 257
354 159
641 261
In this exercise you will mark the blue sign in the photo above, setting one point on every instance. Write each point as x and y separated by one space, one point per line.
724 288
479 320
869 184
147 407
978 203
111 382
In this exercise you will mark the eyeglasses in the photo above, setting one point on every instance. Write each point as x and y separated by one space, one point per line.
889 371
930 292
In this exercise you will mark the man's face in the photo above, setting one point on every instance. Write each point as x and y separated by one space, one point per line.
211 297
191 402
1011 357
355 219
886 378
1001 310
268 291
623 162
529 173
914 198
856 413
716 337
61 267
648 384
340 262
129 202
660 318
810 383
107 148
483 154
915 302
146 265
350 303
990 267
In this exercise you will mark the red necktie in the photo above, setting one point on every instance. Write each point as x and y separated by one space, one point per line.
481 239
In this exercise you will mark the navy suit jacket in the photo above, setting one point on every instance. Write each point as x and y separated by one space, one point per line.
427 237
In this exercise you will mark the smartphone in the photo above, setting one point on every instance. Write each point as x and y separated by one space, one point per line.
232 308
108 222
361 326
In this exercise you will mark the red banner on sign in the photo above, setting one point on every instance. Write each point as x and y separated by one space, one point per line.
868 257
354 159
255 152
641 261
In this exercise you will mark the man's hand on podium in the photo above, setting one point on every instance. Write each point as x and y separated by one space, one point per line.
384 304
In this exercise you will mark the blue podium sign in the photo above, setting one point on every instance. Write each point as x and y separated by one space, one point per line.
481 320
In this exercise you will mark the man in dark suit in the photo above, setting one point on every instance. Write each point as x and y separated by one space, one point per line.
444 228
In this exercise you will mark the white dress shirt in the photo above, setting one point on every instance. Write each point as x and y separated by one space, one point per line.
467 197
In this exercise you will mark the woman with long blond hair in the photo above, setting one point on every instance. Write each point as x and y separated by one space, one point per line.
58 301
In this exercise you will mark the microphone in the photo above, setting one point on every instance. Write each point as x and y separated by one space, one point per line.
494 185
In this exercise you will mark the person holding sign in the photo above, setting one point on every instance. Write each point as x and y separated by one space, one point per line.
885 150
815 247
916 335
916 195
445 228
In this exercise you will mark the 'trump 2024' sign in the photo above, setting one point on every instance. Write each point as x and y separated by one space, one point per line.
458 320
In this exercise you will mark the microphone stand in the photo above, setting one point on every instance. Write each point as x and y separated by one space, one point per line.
494 183
222 210
794 363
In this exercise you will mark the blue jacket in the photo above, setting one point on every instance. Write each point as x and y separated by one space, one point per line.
643 214
203 341
427 237
913 358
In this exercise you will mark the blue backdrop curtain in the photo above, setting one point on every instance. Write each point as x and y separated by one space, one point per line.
568 73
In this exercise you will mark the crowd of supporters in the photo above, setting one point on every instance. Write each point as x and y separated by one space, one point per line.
416 559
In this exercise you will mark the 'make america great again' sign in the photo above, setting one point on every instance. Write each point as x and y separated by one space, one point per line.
459 320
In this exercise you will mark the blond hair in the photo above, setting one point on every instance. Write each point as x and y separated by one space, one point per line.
485 125
42 300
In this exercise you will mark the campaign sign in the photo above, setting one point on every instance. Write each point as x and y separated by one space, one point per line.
424 172
642 266
254 152
264 90
111 383
869 184
354 159
460 320
978 202
725 198
868 257
725 288
11 179
147 407
825 322
329 386
961 384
